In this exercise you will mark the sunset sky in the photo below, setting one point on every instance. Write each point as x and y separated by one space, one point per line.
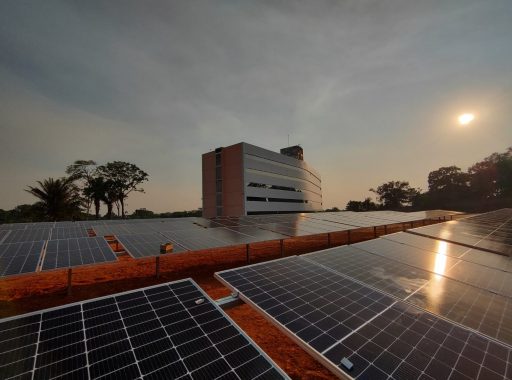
372 90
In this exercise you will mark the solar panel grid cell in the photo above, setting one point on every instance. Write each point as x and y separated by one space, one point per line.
157 332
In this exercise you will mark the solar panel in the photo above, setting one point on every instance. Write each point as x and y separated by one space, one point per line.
453 250
110 229
258 233
495 280
19 258
357 331
476 308
68 253
146 245
195 239
3 234
166 331
68 233
389 276
20 236
495 238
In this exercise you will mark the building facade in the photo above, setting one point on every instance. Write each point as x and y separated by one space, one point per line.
244 179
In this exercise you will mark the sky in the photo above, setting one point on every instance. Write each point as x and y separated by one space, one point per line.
370 89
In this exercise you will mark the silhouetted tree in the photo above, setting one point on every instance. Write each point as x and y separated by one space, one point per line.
82 172
491 179
395 194
366 205
125 178
447 187
59 198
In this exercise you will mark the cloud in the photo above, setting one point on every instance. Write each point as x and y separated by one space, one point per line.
361 85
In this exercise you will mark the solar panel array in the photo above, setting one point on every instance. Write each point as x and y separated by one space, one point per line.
167 331
491 231
401 307
142 237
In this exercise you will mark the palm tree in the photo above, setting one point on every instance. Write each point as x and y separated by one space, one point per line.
59 198
96 190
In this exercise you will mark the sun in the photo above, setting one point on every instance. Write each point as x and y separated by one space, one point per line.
466 118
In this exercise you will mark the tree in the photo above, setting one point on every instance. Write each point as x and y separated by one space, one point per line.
448 179
100 190
366 205
448 187
83 172
492 177
58 198
125 178
395 194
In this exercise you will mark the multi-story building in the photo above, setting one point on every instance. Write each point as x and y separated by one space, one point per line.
244 179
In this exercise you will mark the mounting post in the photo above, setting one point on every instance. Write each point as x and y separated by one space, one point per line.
403 227
375 232
247 254
385 229
281 247
412 224
157 267
70 274
328 240
348 237
424 222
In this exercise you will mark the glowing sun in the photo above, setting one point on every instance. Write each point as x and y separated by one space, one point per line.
466 118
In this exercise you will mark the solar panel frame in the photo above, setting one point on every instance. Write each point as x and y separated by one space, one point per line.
131 334
75 252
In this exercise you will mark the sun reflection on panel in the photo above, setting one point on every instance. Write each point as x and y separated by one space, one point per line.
435 288
440 263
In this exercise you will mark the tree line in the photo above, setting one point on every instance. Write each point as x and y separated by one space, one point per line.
486 185
85 185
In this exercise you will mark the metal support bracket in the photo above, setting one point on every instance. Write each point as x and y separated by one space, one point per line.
230 301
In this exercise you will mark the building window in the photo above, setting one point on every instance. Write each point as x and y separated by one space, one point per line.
277 200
